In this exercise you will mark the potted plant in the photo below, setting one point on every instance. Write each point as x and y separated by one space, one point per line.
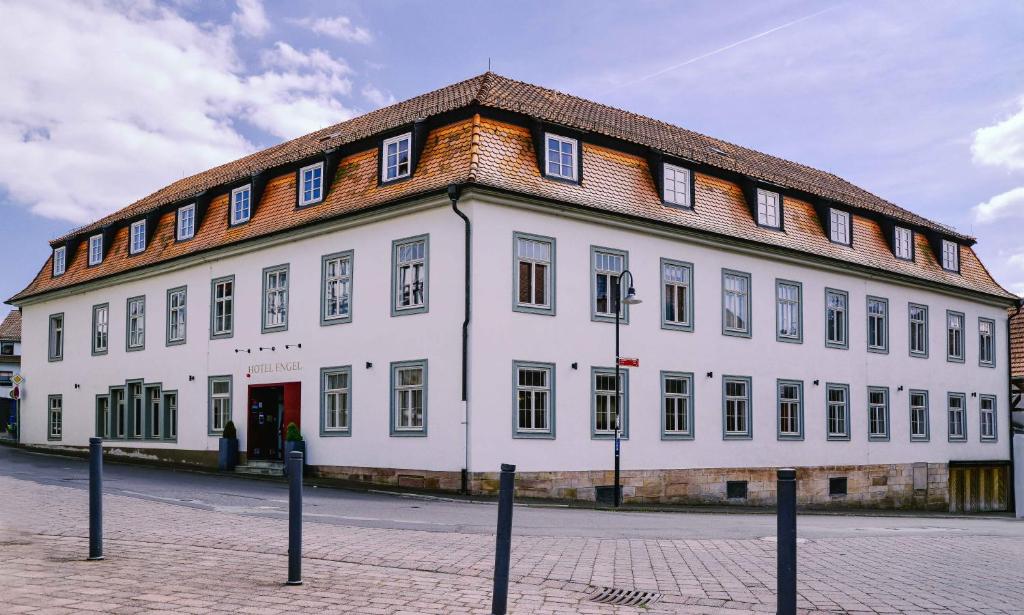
227 458
293 442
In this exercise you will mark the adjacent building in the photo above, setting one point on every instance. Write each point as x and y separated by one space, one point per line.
1017 370
10 366
428 291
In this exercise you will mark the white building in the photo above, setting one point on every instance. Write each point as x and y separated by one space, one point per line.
789 318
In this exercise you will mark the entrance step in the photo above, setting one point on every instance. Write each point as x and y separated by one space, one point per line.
261 468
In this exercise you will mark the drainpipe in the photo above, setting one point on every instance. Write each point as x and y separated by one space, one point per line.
1012 504
454 190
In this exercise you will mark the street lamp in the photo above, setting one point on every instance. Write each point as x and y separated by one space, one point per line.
618 300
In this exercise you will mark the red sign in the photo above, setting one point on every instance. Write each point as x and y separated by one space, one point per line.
627 362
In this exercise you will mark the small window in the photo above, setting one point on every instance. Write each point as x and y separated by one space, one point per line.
409 293
878 325
839 226
409 398
100 328
170 415
104 419
950 255
837 397
954 337
534 399
120 412
336 303
769 209
138 237
311 184
735 303
186 222
534 288
136 323
677 406
59 260
95 249
788 311
55 417
222 307
606 267
677 295
606 417
987 408
736 417
837 486
837 326
56 337
790 410
336 400
678 187
396 162
903 243
6 349
137 413
275 298
918 330
736 489
154 413
986 342
220 403
957 415
561 157
919 416
241 204
176 320
878 413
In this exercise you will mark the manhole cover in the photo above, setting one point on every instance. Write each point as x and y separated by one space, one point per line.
628 597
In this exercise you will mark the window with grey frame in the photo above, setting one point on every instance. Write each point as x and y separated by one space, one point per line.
55 417
176 317
878 413
986 342
104 417
337 288
223 308
837 324
736 399
956 414
788 311
170 403
408 398
607 267
608 409
878 324
100 328
336 392
838 411
954 337
55 342
220 403
919 416
534 258
790 409
119 409
677 405
735 303
136 323
918 330
534 399
136 409
987 412
677 295
275 298
410 292
154 413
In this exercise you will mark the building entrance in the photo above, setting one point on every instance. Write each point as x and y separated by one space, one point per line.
271 408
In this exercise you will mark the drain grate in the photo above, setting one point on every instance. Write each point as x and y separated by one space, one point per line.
628 597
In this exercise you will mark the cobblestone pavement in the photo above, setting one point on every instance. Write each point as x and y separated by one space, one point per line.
164 557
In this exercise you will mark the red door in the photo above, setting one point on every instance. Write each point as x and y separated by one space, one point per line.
292 407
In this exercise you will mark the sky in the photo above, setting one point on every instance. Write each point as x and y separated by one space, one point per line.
105 101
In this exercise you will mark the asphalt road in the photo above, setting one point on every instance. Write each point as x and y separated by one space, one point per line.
246 496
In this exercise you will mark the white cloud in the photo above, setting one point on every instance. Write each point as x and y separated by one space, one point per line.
376 96
1001 144
1009 204
126 99
339 27
250 18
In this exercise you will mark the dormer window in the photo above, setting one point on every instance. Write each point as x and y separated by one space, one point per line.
950 255
95 250
241 204
677 182
59 256
311 184
186 222
137 237
769 209
839 226
396 158
903 243
561 157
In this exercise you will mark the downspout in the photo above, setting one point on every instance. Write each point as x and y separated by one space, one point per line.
454 191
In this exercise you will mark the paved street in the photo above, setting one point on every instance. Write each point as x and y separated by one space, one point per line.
186 542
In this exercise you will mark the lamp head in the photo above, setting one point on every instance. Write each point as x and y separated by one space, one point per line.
631 298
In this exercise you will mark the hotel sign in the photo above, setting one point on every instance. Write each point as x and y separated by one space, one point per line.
274 368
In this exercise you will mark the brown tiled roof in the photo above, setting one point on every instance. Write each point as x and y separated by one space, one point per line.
10 328
1017 343
499 154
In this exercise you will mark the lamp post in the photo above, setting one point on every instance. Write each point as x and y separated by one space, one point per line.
618 300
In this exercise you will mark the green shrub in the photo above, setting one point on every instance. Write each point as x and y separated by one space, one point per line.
229 430
293 434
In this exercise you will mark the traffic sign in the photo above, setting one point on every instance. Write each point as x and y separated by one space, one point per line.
17 379
629 362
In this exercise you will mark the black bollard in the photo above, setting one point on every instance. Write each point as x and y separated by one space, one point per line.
503 546
95 498
294 462
786 542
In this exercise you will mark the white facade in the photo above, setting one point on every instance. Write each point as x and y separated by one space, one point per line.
500 335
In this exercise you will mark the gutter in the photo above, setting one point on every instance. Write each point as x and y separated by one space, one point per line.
454 190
